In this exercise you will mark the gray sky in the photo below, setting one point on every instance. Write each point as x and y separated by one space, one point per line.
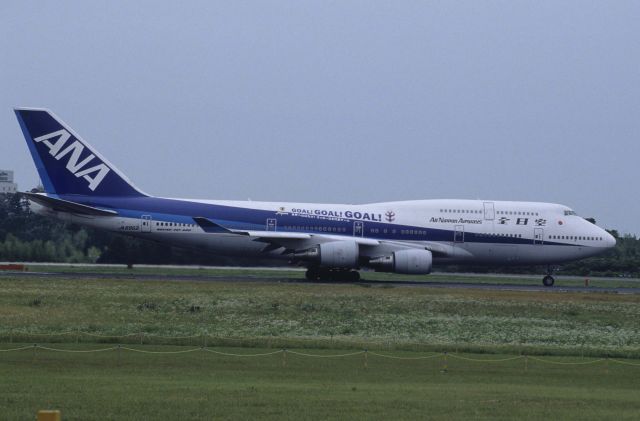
340 101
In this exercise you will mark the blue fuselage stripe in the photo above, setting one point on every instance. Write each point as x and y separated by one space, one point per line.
183 211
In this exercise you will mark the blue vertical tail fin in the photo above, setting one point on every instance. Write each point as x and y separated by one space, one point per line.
66 163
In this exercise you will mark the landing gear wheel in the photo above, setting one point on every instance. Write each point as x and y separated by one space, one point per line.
312 274
318 274
353 276
548 281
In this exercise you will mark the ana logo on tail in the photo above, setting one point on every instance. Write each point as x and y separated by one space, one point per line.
94 175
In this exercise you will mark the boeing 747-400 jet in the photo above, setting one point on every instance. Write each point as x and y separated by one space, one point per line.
333 241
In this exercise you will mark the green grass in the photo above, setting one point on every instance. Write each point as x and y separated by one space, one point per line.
318 316
200 385
319 319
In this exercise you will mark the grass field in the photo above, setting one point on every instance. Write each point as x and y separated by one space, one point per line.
320 315
319 319
201 385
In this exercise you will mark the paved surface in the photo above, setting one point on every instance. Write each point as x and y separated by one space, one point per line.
277 279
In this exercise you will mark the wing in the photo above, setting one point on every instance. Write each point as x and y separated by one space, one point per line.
292 241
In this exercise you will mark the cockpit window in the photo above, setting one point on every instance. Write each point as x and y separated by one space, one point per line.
569 212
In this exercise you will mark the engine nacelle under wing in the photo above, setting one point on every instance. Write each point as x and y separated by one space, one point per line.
334 254
409 262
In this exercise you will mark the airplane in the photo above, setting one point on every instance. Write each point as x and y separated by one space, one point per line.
333 241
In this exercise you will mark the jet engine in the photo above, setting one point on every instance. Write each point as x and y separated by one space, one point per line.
409 261
335 254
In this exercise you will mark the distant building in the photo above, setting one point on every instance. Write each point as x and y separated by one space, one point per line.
6 182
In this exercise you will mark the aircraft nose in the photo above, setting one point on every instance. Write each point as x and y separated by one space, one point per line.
609 240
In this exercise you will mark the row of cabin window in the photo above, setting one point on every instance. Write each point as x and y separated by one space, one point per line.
307 228
173 224
402 232
521 213
505 235
386 231
459 211
499 212
342 229
573 237
498 235
413 232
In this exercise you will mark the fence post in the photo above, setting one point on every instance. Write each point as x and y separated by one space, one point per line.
284 357
444 363
118 351
35 348
366 365
141 337
526 362
10 336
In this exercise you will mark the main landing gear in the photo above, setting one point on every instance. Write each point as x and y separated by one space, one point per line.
339 275
548 280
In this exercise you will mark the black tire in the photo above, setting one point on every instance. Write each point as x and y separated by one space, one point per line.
548 281
354 276
312 274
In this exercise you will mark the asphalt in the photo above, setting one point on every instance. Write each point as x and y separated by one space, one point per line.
364 282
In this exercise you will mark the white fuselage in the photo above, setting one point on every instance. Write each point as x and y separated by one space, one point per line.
457 231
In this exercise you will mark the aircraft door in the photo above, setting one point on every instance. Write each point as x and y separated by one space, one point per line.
538 236
145 223
489 211
458 234
358 229
272 224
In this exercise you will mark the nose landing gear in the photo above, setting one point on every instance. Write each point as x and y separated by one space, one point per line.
548 280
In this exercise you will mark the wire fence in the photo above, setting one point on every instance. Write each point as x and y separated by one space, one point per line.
207 343
445 358
207 339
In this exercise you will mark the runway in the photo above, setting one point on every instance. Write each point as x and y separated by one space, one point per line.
364 282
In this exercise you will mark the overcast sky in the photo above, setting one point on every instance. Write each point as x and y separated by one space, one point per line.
340 101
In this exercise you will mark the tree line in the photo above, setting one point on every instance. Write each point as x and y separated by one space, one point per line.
26 236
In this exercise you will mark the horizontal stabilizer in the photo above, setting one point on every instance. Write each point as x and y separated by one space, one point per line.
67 206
